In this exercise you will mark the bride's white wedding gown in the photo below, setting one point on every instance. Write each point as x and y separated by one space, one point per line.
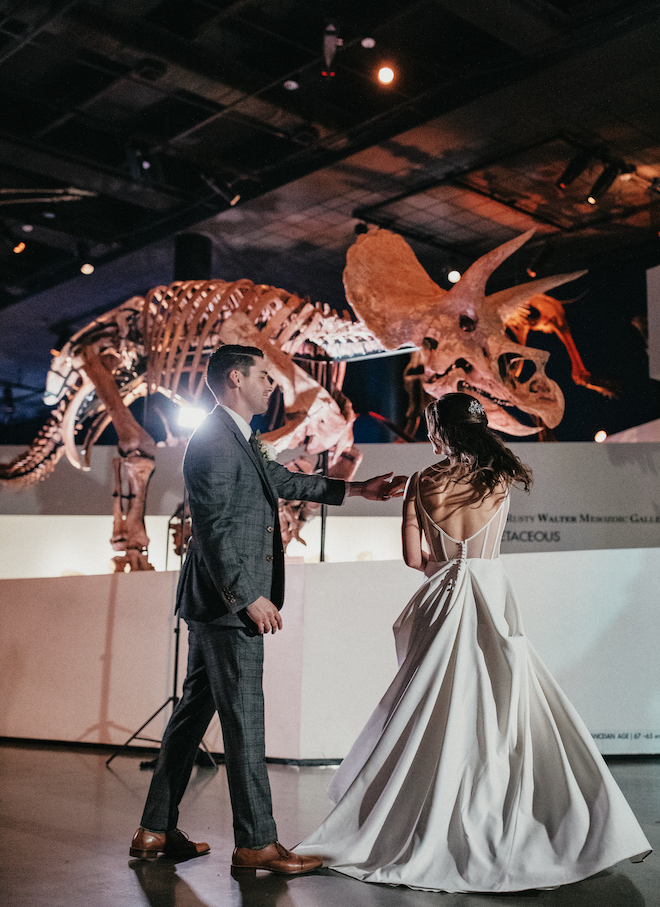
474 773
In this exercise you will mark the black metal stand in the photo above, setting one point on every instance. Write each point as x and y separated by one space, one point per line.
175 680
324 508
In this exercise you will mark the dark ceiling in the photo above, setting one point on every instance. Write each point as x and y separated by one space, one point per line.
126 122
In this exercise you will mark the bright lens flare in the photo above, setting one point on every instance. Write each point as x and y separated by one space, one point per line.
191 416
600 436
454 276
385 75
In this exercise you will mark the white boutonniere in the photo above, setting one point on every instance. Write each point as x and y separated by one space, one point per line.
268 452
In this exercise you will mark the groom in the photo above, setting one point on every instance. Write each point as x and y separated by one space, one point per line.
230 591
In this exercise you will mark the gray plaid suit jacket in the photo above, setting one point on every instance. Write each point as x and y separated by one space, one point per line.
236 553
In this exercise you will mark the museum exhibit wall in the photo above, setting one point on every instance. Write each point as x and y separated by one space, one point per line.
88 655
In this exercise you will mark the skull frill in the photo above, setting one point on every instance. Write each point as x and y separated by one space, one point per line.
461 333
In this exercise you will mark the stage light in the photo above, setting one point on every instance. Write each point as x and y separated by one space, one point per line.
368 43
290 85
385 75
87 268
604 182
600 436
19 247
27 228
191 416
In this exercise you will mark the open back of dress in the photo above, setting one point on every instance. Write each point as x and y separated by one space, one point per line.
483 544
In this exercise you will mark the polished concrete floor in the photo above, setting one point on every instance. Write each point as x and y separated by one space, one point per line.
66 821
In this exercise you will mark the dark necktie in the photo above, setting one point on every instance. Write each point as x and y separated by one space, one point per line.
254 444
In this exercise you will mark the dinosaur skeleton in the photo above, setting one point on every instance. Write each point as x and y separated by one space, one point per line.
161 343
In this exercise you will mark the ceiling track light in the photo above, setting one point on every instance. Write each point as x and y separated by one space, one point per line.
538 262
232 198
8 405
85 264
17 246
604 181
574 169
451 273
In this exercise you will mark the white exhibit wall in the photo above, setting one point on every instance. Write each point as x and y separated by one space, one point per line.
585 497
91 658
56 545
85 658
87 655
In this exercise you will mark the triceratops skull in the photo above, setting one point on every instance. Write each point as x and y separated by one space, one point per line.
460 333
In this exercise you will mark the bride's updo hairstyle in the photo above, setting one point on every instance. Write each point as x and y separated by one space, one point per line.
458 426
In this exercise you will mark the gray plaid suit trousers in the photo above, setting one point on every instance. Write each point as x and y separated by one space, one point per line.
225 666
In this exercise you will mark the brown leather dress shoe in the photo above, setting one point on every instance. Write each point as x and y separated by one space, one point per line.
146 845
274 858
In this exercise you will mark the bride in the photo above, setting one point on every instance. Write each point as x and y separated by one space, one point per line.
474 773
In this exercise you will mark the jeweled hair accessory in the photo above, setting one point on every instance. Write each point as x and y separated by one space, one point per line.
476 409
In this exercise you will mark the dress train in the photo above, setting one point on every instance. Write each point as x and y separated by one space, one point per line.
474 773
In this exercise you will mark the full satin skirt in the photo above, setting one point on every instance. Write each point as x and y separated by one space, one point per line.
474 773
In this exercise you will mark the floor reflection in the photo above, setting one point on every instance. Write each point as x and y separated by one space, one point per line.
67 824
162 886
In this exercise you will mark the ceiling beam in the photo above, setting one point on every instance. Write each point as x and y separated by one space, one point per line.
65 169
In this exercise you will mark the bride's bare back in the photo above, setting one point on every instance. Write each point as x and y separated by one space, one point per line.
459 507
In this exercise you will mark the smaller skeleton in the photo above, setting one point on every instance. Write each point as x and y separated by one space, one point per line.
547 316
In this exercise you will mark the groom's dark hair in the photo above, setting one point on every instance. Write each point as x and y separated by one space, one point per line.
227 358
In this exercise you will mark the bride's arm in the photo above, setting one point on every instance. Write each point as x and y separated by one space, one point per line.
411 531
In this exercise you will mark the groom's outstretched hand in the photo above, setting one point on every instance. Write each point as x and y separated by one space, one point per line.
379 488
265 615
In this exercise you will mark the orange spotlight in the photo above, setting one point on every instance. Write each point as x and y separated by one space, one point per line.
19 247
600 436
385 75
